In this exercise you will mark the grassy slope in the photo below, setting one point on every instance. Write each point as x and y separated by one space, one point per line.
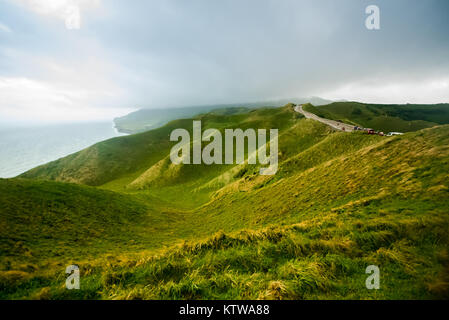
338 203
109 159
385 204
401 118
50 220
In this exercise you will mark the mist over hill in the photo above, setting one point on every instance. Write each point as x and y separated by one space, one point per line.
146 119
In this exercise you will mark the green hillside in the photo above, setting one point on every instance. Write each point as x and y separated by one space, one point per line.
51 220
385 117
151 230
130 156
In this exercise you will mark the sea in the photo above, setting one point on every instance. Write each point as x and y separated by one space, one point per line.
25 147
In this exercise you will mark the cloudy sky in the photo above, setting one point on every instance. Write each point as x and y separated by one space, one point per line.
77 60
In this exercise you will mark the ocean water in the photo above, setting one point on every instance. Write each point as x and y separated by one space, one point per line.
23 148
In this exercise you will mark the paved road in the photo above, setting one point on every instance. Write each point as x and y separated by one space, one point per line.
334 124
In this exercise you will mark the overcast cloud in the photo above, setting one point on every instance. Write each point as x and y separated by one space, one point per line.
76 60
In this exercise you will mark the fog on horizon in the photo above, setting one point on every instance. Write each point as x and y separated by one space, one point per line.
93 60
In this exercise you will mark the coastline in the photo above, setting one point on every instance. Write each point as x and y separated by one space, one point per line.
26 147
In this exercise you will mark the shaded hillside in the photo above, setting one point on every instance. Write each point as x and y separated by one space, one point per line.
385 117
45 220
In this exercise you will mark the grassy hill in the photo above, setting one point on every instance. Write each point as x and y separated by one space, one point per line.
129 156
338 203
385 117
51 220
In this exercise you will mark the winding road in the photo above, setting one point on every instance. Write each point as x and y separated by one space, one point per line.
332 123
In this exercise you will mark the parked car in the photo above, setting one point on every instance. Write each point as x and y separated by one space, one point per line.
389 134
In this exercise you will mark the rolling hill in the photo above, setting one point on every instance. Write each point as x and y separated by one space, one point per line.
130 156
338 203
52 220
385 117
